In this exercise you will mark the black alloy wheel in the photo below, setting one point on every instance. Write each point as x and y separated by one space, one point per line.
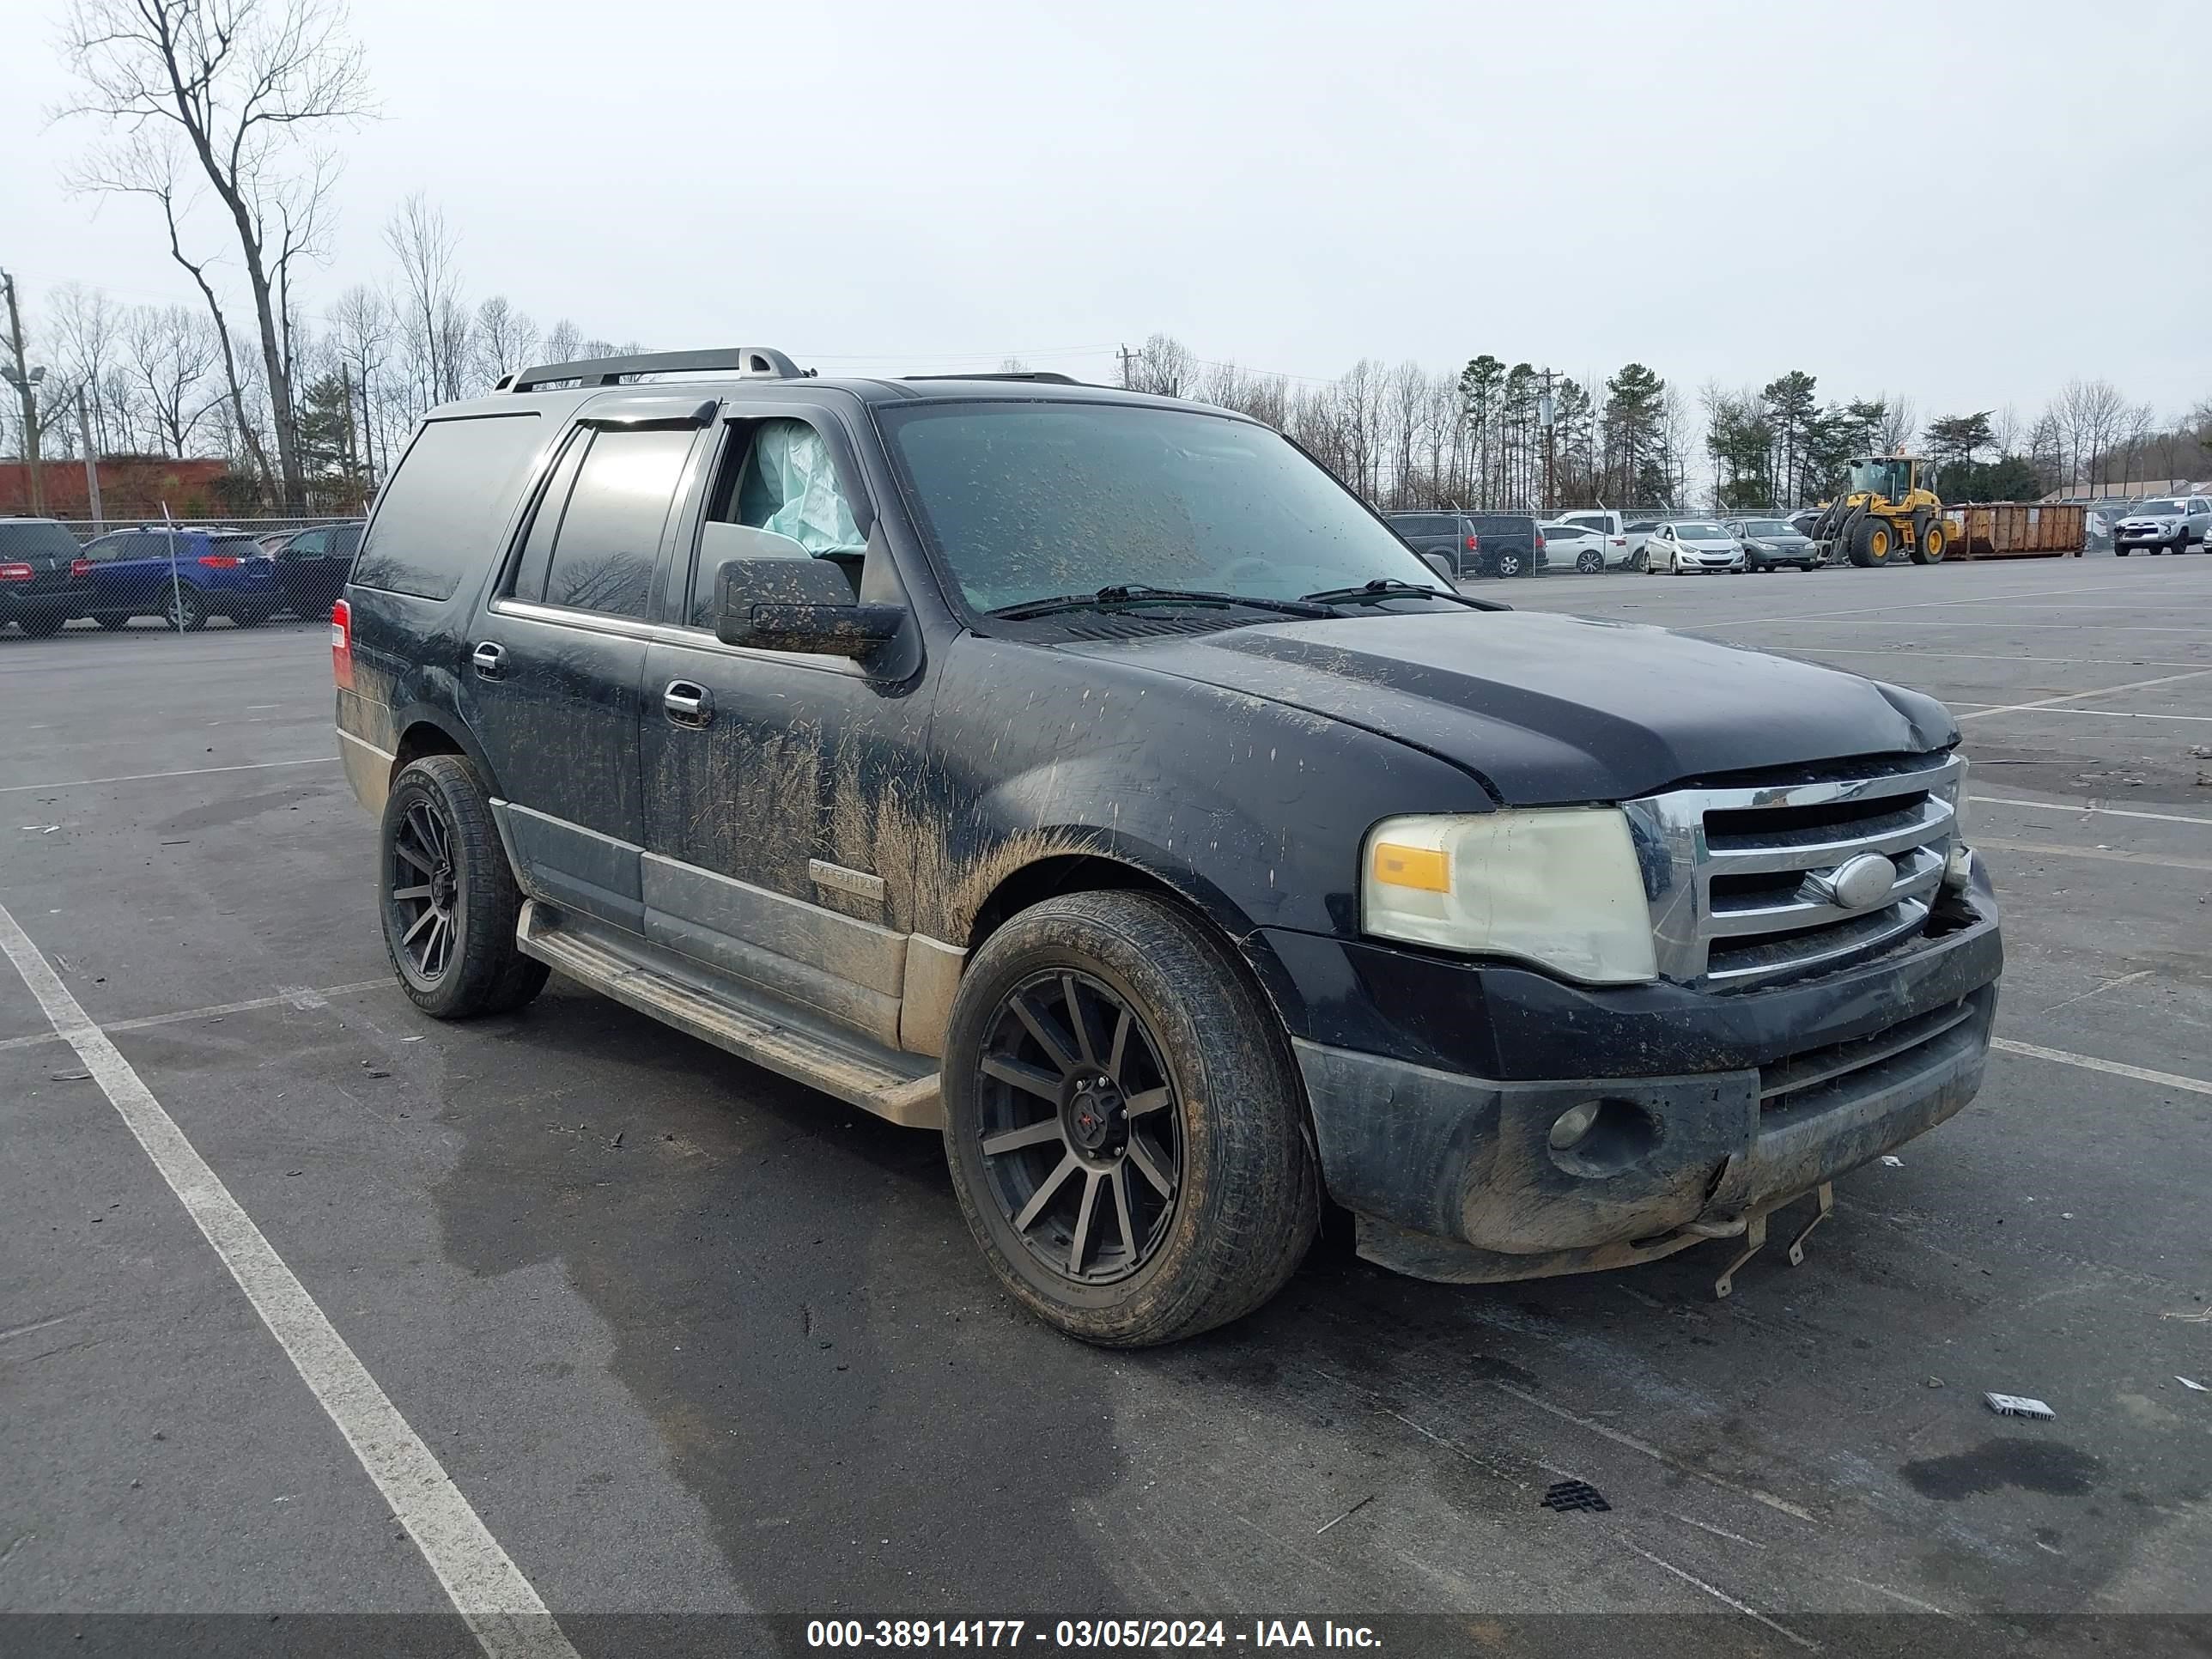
1082 1130
425 891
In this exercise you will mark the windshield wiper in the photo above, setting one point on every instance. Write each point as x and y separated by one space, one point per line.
1390 588
1138 594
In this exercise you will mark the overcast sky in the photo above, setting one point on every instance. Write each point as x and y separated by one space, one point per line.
1965 202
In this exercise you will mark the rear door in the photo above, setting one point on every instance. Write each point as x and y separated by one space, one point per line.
776 783
551 671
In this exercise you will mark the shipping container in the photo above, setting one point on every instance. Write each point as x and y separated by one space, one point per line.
2015 530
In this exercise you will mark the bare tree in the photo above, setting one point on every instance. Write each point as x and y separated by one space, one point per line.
247 86
1165 365
172 355
564 343
433 321
504 340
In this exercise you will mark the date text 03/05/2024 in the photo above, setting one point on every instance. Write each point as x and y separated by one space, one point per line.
1083 1634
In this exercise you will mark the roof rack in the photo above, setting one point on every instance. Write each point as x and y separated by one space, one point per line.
749 362
1046 375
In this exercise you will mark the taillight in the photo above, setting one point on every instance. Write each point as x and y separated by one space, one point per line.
220 561
80 567
342 645
1475 543
17 573
1540 541
1620 541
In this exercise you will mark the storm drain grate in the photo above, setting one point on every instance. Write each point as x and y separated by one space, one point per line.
1569 1496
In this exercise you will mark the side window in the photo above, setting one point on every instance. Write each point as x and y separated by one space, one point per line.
779 476
444 511
309 544
609 538
529 578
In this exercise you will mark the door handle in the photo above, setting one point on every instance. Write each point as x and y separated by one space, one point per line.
687 704
487 658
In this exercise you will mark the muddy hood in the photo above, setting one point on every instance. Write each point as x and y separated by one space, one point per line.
1551 709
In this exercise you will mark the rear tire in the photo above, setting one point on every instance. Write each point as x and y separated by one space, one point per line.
1073 1216
183 611
1932 546
43 624
249 618
113 621
447 895
1511 565
1590 564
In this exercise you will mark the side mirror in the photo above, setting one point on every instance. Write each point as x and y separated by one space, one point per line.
1441 565
798 603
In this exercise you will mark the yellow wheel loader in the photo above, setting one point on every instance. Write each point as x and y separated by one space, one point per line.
1886 508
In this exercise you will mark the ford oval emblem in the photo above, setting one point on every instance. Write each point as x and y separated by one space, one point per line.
1861 883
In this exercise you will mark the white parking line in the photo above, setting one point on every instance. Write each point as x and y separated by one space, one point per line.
2086 806
2101 714
1926 605
2101 691
2108 854
2164 1079
501 1609
1970 656
295 998
187 772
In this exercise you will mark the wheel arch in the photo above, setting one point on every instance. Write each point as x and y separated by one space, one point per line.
424 730
1111 870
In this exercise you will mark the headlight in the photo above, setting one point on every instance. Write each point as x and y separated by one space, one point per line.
1559 887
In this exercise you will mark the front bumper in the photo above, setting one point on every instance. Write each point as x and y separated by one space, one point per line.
1738 1102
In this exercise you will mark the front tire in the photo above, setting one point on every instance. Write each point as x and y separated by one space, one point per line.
42 624
113 621
1124 1123
447 895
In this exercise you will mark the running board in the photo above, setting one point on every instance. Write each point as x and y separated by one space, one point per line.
893 1085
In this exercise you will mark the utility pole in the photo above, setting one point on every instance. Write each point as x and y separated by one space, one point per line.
26 381
1127 357
1547 411
91 465
352 455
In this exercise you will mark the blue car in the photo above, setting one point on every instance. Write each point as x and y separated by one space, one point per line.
183 577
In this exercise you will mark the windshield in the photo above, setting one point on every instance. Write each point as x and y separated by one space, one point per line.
2157 509
1700 533
1767 527
1032 501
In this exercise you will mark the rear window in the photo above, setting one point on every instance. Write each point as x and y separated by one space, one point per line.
1504 524
238 547
1421 524
440 518
35 539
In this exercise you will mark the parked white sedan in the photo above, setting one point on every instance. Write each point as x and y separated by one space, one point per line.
1686 546
1583 547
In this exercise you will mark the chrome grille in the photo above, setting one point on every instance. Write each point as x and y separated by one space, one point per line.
1735 876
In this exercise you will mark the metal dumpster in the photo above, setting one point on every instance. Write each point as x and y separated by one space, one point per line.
2015 530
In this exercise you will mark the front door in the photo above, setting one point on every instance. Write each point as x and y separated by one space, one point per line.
552 675
780 787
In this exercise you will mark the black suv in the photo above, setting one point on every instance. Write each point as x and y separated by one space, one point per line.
1475 543
1091 778
44 580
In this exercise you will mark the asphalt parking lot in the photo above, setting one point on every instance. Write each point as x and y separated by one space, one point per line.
690 1340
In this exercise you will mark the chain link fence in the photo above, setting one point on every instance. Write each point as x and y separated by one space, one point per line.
145 576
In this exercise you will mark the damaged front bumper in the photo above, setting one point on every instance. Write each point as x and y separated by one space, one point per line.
1749 1101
